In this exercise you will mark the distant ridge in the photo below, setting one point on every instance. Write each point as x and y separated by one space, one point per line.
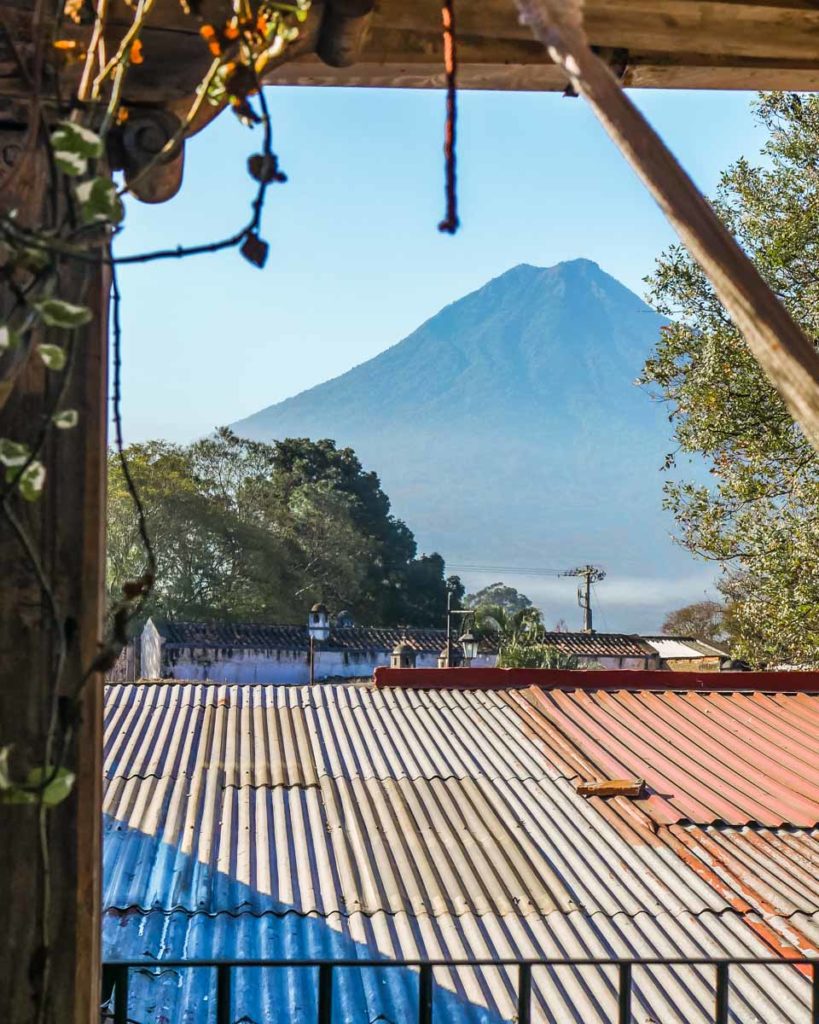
507 430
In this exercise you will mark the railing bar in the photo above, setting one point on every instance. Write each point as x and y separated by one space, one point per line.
624 994
223 993
721 996
815 995
121 979
325 994
425 994
525 994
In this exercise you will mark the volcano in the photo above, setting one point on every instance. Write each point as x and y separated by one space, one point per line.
509 433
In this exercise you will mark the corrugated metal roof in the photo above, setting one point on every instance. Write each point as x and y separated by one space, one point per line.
346 821
672 648
706 757
687 647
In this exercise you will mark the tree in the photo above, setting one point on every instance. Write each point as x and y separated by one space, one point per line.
499 595
759 519
703 619
527 648
491 620
255 531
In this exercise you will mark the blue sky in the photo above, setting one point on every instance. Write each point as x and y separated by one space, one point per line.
356 262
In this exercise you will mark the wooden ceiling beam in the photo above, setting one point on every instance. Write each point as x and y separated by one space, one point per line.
543 78
746 28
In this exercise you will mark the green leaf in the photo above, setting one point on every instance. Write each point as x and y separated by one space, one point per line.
71 164
52 355
8 338
99 202
32 480
58 313
65 419
12 453
13 795
57 789
73 146
5 777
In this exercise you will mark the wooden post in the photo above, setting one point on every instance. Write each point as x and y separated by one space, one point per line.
67 528
785 354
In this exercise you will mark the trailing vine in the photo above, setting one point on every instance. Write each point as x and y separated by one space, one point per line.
78 120
47 269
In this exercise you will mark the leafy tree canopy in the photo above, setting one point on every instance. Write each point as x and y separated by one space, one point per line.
500 596
703 619
526 647
760 516
255 531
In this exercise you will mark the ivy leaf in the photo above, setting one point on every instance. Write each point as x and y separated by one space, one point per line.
99 201
255 250
31 481
54 792
73 146
58 313
12 453
65 419
52 355
264 167
8 338
13 795
5 777
57 789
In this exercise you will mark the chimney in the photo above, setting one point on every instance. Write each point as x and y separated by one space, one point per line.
403 656
318 622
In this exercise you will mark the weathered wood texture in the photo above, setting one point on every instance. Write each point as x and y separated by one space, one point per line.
671 44
67 526
685 44
780 347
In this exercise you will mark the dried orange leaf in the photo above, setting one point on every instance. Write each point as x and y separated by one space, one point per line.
211 37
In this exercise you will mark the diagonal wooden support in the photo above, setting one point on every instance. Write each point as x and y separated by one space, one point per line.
787 357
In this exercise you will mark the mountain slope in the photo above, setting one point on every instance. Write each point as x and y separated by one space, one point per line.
507 431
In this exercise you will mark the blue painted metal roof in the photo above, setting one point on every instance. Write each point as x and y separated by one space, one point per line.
342 821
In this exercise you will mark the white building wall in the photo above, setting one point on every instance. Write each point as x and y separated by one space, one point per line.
283 667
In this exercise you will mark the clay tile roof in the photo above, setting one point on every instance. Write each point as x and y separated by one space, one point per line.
600 645
295 638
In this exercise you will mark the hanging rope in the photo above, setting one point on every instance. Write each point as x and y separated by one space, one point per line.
450 221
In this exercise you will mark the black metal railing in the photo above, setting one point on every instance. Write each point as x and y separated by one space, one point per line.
116 978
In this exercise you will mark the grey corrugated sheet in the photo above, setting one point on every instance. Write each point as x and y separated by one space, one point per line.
289 821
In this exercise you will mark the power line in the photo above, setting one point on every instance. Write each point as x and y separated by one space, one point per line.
517 570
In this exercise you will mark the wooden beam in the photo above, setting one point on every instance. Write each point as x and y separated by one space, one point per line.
745 29
67 526
542 77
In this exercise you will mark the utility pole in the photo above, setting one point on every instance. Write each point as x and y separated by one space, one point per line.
590 574
450 612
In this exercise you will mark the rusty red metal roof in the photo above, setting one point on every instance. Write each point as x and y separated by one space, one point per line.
731 788
596 679
736 758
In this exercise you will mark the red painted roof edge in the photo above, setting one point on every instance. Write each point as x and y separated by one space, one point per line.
596 679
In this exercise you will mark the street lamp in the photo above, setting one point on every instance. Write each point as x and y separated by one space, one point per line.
318 628
469 643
